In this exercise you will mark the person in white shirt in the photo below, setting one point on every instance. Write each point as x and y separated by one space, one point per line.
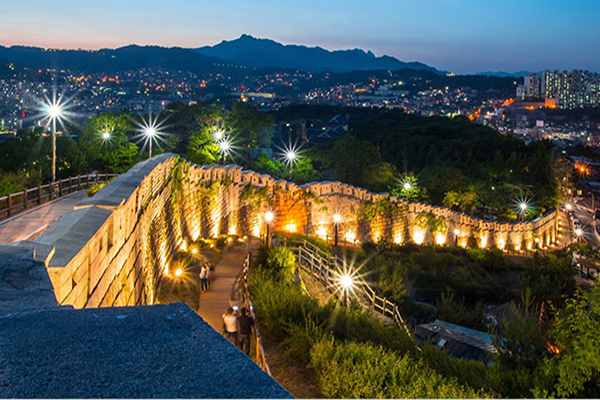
230 324
204 278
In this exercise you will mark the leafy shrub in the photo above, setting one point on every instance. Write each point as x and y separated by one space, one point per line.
282 262
95 188
359 370
456 311
549 277
320 243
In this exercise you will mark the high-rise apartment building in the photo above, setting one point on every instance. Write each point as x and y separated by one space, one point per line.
568 90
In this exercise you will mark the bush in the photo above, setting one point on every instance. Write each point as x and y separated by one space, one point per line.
320 243
279 304
456 311
359 370
95 188
549 277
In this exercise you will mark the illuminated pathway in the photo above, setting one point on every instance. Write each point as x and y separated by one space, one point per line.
29 225
214 303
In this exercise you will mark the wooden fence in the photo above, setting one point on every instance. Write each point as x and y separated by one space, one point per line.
14 203
329 268
261 358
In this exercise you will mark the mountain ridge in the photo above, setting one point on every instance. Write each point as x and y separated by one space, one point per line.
262 52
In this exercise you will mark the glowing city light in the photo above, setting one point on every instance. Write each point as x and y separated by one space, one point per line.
407 185
457 232
178 272
578 232
337 218
105 136
569 206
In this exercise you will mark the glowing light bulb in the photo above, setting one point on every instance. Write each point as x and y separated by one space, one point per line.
347 282
269 216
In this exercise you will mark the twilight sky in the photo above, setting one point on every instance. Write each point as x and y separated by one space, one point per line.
456 35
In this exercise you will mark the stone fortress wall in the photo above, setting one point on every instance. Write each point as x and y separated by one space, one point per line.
113 249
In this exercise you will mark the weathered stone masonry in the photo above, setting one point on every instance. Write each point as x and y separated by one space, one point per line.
113 249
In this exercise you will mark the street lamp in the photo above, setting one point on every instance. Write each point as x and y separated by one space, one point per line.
337 218
523 207
578 233
105 135
347 284
456 235
53 111
225 147
150 132
269 216
407 186
291 157
568 206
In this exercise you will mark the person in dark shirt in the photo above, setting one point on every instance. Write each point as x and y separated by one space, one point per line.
246 324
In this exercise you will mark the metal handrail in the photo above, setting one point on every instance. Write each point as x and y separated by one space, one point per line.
261 358
325 267
20 201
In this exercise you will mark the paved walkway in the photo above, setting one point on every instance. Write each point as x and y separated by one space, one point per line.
30 224
214 303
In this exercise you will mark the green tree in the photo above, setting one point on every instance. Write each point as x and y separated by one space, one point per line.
251 128
105 143
406 185
202 148
351 157
263 163
465 201
576 367
303 171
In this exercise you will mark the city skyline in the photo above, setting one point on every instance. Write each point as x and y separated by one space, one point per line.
465 37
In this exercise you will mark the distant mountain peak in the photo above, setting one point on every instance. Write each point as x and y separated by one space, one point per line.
266 53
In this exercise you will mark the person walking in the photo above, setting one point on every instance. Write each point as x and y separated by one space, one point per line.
230 325
246 324
211 275
204 278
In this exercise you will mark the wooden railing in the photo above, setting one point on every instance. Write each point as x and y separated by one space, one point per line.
327 268
261 358
14 203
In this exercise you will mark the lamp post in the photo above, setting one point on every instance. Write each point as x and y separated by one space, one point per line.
53 111
150 133
268 219
105 135
225 146
578 234
407 187
291 157
523 207
337 218
456 235
347 283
